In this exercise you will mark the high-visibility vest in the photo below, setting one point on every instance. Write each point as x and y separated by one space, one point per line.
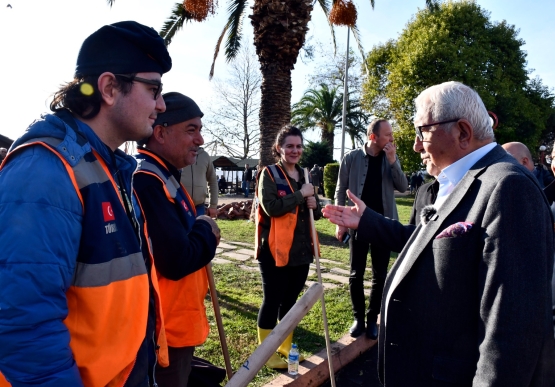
108 297
282 228
184 313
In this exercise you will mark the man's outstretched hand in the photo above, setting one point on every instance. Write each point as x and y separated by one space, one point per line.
345 216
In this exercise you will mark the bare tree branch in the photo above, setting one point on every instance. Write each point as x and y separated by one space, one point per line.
233 119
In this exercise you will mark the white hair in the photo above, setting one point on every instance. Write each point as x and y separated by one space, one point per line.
452 100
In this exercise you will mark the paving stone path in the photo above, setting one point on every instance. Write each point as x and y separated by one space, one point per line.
333 273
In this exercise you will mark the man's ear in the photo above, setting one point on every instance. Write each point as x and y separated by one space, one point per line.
372 137
466 133
159 134
106 86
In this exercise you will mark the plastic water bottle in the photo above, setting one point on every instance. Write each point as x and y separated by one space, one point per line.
293 368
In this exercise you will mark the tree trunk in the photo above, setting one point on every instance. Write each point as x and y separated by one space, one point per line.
280 28
275 107
328 136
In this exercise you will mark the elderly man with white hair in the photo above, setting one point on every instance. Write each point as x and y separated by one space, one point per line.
468 302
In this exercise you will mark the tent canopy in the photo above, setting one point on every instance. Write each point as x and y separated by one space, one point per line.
232 164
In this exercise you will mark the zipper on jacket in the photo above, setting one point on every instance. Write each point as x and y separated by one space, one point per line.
154 384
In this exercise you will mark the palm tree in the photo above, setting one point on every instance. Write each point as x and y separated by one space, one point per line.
357 122
280 28
319 108
322 108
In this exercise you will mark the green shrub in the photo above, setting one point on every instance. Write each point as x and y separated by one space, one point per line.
315 153
331 171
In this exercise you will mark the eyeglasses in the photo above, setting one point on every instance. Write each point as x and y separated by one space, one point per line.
146 81
418 129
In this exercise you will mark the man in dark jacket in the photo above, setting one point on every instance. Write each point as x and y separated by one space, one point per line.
181 244
246 180
464 305
315 176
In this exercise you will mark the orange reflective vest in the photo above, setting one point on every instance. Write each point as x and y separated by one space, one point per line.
108 297
184 313
282 228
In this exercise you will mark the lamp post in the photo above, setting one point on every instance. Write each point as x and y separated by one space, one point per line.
542 155
345 92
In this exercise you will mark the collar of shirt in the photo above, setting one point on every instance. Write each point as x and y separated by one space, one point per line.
453 174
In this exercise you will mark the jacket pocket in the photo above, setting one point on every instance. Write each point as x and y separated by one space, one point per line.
454 243
454 370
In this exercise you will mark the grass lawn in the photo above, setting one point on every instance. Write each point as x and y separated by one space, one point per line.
240 296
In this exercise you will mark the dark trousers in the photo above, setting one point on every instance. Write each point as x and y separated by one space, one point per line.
380 260
281 287
177 373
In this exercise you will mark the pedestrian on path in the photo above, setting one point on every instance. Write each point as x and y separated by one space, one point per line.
246 180
283 242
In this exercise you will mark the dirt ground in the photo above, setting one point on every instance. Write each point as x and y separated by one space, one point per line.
225 199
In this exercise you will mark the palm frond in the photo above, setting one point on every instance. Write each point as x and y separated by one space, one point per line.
236 10
111 2
324 4
174 23
233 27
356 35
372 3
217 50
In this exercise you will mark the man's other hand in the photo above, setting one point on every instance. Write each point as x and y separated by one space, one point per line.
215 228
212 212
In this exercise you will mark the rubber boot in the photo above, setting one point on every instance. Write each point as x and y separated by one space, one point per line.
275 362
285 347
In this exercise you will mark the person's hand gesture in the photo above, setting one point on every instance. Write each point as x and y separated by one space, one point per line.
344 216
390 149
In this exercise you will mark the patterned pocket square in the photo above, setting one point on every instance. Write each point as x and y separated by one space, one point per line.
455 230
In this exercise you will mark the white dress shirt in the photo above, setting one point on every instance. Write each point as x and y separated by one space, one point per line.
448 179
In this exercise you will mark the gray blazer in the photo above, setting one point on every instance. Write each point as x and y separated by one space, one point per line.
352 175
475 310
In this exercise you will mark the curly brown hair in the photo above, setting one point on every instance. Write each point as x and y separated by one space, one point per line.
74 96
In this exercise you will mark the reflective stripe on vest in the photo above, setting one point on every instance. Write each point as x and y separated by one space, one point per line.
185 320
108 297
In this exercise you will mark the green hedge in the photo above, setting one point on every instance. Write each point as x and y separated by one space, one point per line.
331 171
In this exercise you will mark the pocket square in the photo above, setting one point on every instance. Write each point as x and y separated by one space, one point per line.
455 230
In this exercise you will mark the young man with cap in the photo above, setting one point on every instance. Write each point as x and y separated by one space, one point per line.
180 244
74 300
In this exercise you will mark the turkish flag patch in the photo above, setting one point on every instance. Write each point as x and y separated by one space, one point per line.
108 211
184 205
281 193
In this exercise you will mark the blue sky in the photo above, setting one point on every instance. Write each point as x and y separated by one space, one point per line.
39 42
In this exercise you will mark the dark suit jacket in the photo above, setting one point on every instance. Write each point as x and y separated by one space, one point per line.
475 310
388 233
